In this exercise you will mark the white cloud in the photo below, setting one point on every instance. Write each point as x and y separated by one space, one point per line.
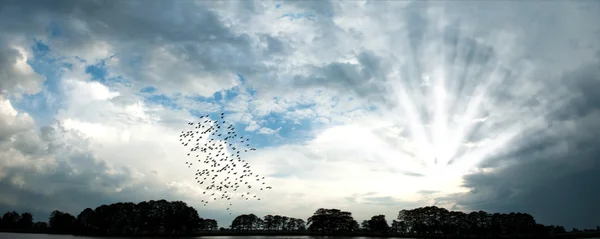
268 130
16 76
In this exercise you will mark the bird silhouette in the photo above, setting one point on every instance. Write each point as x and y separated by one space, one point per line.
220 173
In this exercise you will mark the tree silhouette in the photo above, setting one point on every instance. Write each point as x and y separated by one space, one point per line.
87 221
365 226
10 221
40 227
123 218
398 227
61 222
246 222
208 224
332 221
427 221
161 217
378 224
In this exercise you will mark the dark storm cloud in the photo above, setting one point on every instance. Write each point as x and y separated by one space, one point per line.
186 30
59 181
585 85
553 174
73 197
76 180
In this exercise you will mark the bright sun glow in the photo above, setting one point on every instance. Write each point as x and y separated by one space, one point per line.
441 113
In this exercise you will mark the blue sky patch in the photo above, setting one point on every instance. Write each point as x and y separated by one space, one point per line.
230 94
97 71
162 100
148 89
44 110
217 96
45 104
242 78
40 48
222 96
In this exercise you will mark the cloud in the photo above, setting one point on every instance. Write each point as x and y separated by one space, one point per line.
149 49
53 156
416 103
57 168
17 76
551 174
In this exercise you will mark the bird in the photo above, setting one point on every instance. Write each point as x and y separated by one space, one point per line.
222 174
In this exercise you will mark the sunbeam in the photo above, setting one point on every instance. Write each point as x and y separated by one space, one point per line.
452 117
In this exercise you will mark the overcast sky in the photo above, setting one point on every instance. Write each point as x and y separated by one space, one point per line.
365 106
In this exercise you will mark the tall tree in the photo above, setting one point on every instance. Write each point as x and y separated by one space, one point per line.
378 224
25 222
246 222
61 222
86 221
332 221
269 222
10 221
40 227
365 226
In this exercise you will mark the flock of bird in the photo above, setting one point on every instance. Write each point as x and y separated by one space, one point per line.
220 149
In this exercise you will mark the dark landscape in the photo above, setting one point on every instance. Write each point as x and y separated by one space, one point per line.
162 218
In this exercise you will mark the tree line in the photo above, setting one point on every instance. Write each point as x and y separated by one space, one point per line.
250 222
177 218
144 218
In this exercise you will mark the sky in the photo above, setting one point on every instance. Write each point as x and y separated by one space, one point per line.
365 106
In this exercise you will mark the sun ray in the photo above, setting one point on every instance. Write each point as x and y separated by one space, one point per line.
446 96
415 128
494 77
